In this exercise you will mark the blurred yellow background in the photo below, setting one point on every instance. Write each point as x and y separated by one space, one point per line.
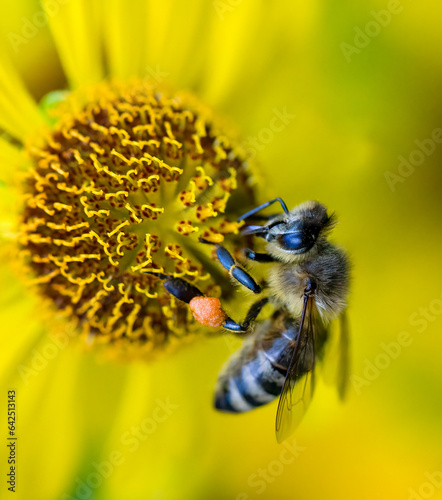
359 86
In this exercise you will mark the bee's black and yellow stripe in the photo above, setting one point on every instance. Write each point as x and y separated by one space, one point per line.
255 375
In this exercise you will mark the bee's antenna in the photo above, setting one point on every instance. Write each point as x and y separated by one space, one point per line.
258 230
261 207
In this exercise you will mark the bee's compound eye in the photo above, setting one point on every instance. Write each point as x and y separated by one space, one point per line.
297 241
207 311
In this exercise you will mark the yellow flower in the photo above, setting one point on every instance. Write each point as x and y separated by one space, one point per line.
336 103
106 185
117 196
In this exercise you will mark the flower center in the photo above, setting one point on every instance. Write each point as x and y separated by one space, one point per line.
123 187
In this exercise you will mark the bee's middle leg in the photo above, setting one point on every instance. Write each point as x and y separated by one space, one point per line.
255 309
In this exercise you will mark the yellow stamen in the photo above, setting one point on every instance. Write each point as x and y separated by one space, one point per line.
121 190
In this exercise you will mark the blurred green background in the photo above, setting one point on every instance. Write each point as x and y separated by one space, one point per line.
360 87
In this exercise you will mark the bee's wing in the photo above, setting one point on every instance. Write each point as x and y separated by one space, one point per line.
336 362
344 356
300 380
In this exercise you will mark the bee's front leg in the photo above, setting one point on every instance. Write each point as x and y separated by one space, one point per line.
228 262
258 257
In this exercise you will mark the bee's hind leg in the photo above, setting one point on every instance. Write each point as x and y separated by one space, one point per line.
179 288
206 310
252 314
228 262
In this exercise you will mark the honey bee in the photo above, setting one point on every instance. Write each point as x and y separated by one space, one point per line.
307 283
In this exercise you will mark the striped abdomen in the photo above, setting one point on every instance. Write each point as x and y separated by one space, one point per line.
255 374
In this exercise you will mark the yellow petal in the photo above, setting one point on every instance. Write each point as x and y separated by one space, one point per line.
10 157
158 28
19 114
123 36
175 40
158 409
232 41
76 30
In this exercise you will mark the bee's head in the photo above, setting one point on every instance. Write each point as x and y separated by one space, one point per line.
294 235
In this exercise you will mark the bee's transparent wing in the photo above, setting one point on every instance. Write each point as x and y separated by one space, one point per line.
300 380
343 371
336 362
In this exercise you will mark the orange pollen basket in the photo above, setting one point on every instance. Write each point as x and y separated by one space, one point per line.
207 311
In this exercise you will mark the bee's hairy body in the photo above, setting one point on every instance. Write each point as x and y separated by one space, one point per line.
328 269
255 374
